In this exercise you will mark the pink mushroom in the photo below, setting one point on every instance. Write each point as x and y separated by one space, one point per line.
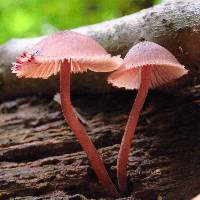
67 52
146 65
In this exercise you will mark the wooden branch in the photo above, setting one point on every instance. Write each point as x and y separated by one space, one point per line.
175 25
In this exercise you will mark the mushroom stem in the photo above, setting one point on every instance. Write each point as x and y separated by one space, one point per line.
80 132
130 128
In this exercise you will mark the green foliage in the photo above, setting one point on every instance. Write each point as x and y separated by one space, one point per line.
26 18
157 1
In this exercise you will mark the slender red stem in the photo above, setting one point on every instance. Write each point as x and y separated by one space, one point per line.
80 132
130 129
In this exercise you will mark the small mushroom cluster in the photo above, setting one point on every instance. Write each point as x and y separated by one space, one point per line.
146 65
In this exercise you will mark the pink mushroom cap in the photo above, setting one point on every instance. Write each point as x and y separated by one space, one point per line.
164 66
45 58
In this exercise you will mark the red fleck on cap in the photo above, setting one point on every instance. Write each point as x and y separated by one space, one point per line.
164 66
45 58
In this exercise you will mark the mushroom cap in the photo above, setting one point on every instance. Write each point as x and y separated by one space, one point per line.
164 66
196 197
45 58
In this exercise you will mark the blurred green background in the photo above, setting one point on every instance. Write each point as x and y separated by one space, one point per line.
27 18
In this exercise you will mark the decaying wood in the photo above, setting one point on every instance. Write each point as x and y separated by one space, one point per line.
175 25
40 158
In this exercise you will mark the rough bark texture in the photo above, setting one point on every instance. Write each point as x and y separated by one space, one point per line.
175 25
41 159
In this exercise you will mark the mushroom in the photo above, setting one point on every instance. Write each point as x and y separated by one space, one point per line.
196 197
67 51
146 65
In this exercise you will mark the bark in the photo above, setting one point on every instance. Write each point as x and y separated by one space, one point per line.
174 24
41 159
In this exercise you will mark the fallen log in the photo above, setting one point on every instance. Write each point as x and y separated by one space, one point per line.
40 158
